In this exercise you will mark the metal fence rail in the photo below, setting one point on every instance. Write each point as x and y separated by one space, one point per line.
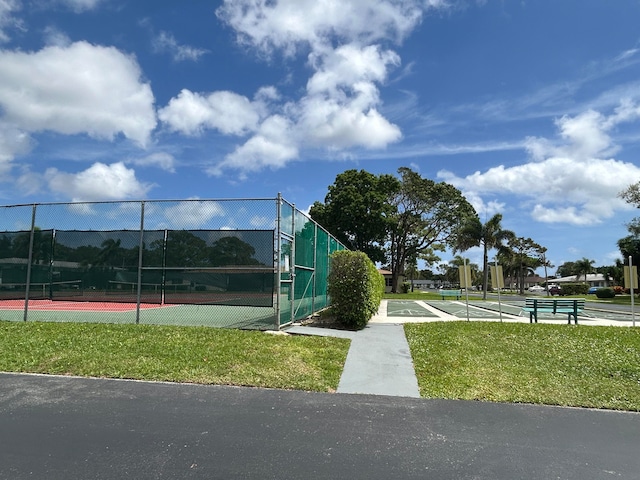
243 263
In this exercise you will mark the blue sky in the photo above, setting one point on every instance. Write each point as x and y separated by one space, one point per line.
530 108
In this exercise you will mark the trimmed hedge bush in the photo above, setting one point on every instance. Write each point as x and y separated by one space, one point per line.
574 289
605 293
355 287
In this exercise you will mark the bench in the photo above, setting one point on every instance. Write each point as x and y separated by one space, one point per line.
450 293
570 306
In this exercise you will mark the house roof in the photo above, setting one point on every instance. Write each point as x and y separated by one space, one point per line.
591 277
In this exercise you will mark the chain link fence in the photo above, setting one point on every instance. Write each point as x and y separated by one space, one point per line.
236 263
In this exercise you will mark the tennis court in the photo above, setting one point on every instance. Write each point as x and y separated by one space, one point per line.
244 263
222 316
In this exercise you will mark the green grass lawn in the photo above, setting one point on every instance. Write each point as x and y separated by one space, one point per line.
175 354
545 364
503 362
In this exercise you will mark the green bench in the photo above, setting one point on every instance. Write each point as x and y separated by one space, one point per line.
571 306
450 293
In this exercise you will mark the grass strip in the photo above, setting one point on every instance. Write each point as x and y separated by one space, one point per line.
175 354
596 367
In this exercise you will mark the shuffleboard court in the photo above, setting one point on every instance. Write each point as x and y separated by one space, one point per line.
459 309
407 308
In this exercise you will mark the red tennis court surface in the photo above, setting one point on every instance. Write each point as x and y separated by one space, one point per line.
50 305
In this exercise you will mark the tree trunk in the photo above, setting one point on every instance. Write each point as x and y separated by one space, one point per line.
485 274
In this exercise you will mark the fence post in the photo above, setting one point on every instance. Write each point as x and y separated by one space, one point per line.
29 261
315 267
140 248
277 256
294 211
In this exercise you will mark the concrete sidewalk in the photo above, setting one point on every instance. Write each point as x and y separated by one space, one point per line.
379 361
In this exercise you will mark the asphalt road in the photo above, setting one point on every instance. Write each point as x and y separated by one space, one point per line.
72 428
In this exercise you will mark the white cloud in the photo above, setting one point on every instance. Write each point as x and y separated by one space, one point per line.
56 37
349 65
13 141
261 222
272 146
162 160
98 182
8 19
571 182
79 6
166 42
193 214
340 108
191 113
80 88
338 112
29 183
287 25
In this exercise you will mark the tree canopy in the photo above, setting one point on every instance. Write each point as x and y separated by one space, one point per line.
520 256
356 210
473 233
393 219
426 217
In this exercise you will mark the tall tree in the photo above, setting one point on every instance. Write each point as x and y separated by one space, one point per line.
459 261
356 210
41 248
630 247
584 266
185 249
231 251
566 269
111 253
473 233
426 216
524 255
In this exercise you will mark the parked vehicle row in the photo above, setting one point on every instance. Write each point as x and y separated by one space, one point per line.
553 289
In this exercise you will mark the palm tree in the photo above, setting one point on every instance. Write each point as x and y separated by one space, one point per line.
109 254
583 266
459 261
523 256
490 235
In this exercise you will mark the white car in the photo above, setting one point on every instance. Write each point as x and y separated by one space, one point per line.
536 288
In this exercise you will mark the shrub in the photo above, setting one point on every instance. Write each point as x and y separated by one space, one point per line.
356 288
406 287
618 290
605 293
574 289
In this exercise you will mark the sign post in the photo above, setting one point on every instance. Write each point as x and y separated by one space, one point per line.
464 272
631 282
497 281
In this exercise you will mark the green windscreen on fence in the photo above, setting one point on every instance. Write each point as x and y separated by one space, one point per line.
14 261
106 264
322 269
204 267
243 263
223 267
305 252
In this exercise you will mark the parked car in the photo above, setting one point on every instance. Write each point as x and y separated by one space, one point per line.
554 290
536 288
593 289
